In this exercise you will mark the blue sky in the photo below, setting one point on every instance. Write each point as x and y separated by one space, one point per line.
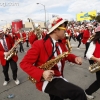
23 9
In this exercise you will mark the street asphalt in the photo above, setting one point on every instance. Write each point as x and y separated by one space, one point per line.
76 74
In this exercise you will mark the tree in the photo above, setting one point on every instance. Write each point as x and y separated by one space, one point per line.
96 18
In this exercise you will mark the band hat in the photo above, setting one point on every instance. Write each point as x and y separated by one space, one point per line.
54 23
97 29
89 25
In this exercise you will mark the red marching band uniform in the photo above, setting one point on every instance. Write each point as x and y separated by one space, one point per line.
20 35
10 44
42 59
32 37
44 50
6 45
86 35
97 50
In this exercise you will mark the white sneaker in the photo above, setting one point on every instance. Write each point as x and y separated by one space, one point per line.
17 82
78 48
5 83
89 96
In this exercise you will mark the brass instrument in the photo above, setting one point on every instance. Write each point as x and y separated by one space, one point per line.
68 43
50 64
91 37
36 29
13 50
94 67
38 33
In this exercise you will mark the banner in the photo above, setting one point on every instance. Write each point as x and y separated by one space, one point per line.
86 16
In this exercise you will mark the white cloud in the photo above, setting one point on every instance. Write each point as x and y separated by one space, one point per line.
84 6
28 8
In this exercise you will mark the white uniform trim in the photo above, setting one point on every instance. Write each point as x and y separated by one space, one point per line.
90 51
45 83
2 41
58 64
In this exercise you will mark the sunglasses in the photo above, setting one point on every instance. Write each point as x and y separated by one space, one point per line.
62 28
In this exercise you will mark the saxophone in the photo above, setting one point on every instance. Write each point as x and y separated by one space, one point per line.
50 64
94 67
68 43
91 37
13 50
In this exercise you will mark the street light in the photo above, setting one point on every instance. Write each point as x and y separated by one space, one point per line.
6 22
44 11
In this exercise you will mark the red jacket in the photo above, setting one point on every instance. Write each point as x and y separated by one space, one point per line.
69 32
86 35
19 36
32 38
44 34
64 40
97 50
10 44
36 56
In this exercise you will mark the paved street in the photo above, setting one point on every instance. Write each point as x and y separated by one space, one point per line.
75 74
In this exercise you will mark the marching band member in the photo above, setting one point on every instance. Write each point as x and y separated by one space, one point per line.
12 35
86 35
93 54
6 43
43 32
27 39
73 34
79 37
44 50
32 37
19 35
36 35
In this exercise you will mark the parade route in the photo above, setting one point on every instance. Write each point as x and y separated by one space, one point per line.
75 74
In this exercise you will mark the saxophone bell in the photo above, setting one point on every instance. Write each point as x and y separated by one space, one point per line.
93 68
13 50
91 37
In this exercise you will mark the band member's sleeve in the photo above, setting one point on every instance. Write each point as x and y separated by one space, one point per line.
90 51
32 38
29 61
71 58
